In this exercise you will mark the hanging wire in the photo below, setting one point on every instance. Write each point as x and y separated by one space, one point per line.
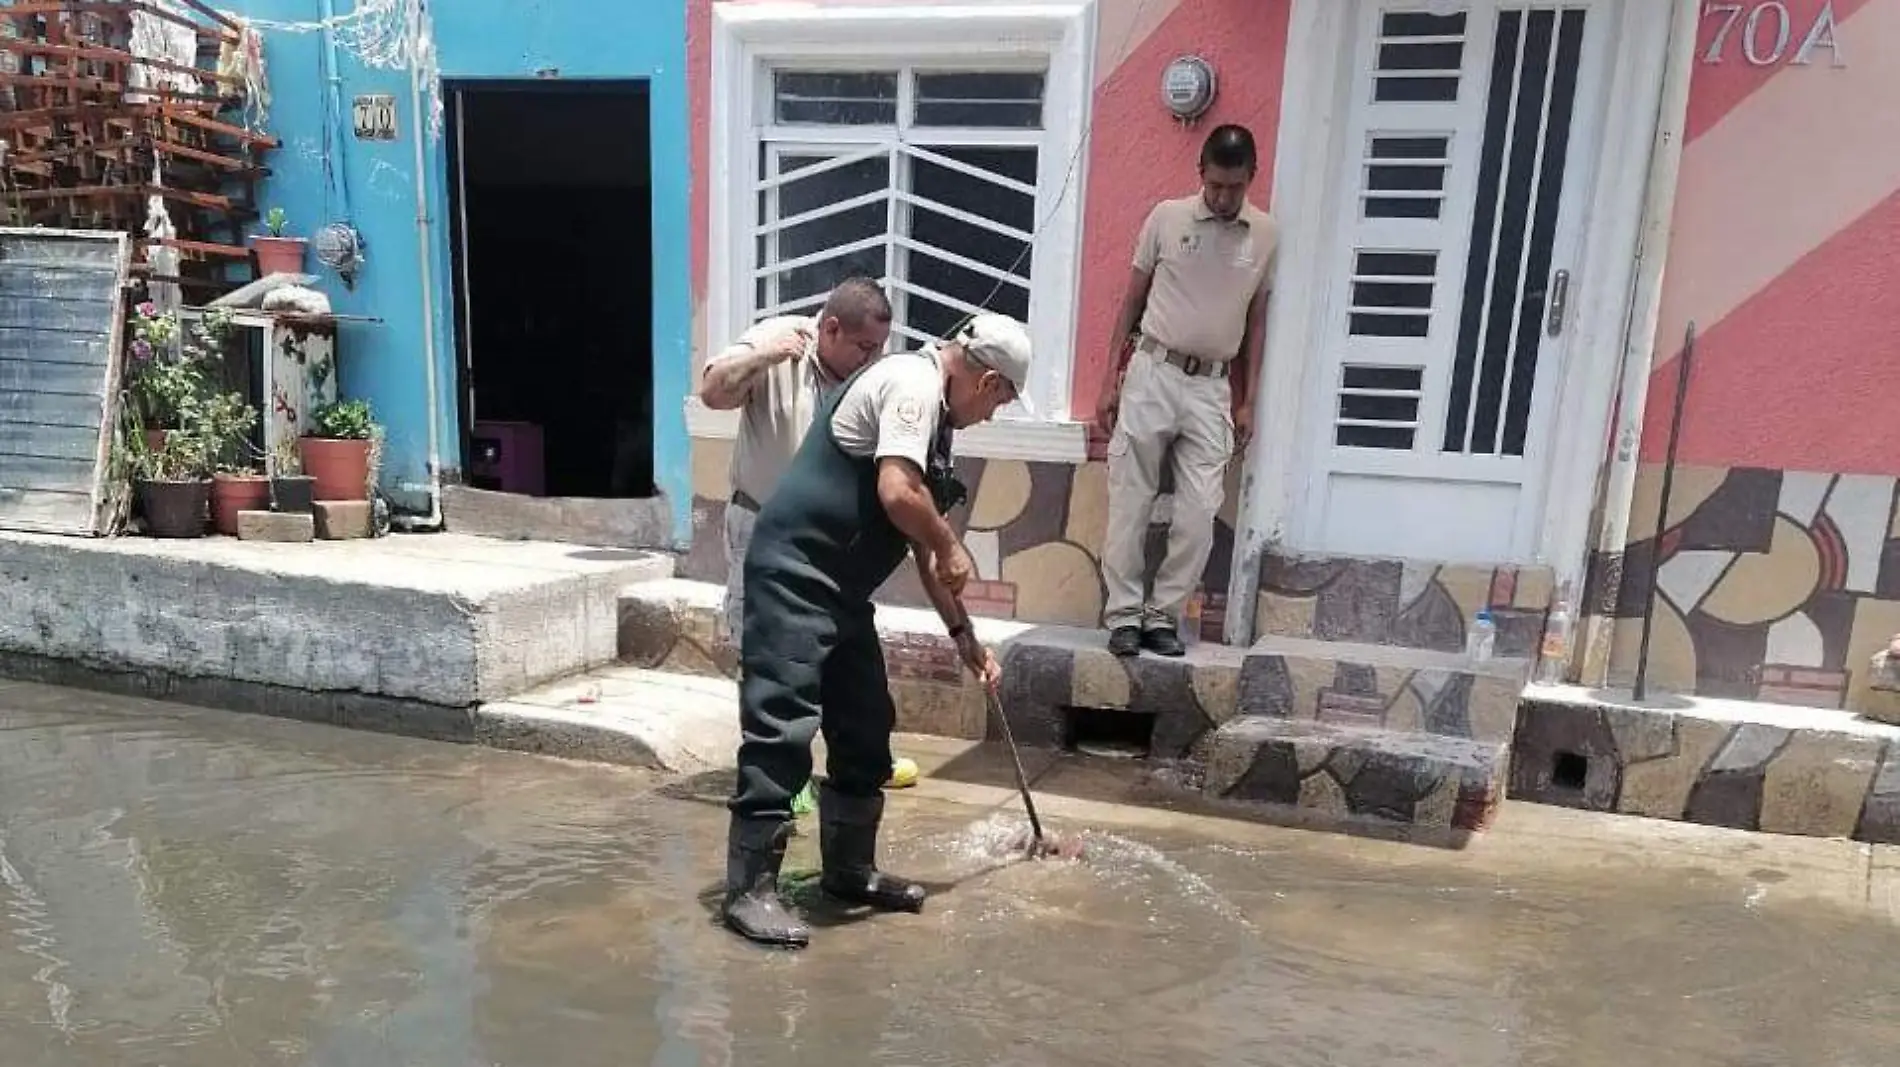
378 33
1068 179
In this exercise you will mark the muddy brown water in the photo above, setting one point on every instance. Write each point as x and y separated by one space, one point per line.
182 887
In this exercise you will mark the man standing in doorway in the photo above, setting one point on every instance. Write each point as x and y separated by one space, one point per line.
871 485
777 375
1181 381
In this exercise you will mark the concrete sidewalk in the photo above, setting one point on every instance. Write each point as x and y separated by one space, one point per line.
408 625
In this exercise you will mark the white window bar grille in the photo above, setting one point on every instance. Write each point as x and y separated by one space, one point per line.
1378 407
926 179
1420 58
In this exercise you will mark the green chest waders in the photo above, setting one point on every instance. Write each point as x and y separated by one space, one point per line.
810 660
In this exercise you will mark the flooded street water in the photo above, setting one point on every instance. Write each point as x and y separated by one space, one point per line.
182 887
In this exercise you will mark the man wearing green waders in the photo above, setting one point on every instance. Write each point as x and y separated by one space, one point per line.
870 485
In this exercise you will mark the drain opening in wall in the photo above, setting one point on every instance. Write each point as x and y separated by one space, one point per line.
1108 732
1569 770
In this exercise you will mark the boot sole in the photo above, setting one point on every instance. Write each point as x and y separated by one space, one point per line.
768 942
887 905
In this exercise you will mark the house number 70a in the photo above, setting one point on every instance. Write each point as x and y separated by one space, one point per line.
1766 30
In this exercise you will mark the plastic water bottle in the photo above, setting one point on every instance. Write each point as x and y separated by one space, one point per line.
1555 652
1483 638
1191 616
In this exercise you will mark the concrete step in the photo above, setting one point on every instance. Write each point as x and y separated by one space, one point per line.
1404 689
625 715
673 626
1356 774
444 620
1051 673
1410 603
1816 772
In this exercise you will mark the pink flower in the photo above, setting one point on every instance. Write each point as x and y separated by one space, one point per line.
148 310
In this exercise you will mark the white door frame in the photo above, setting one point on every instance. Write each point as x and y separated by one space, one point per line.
1319 57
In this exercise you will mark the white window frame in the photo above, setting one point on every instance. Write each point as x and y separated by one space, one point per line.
752 38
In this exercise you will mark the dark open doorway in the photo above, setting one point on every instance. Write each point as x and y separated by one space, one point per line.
550 203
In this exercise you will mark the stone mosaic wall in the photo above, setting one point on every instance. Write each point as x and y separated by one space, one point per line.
1774 585
1748 776
1414 605
1049 670
1034 531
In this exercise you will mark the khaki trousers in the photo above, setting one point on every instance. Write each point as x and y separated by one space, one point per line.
739 523
1163 408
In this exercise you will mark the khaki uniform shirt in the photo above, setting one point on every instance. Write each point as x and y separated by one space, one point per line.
893 410
1206 271
779 408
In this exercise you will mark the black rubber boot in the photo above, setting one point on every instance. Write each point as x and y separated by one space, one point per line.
847 838
755 849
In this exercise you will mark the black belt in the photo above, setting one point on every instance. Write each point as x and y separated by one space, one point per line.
743 499
1193 366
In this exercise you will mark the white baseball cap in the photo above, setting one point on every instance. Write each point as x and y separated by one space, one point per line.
1000 343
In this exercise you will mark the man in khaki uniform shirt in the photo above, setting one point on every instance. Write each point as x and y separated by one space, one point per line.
777 375
1184 387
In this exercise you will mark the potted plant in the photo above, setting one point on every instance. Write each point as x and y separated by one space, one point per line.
276 253
337 451
291 490
157 375
236 484
171 482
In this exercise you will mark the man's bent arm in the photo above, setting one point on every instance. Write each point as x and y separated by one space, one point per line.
1134 306
729 376
900 488
949 608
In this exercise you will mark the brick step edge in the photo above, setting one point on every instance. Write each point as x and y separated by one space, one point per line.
674 626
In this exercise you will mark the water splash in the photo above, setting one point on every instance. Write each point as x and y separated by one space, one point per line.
1128 865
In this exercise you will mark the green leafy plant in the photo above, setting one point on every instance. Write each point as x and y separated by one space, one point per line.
345 420
167 367
275 221
226 421
285 460
187 455
170 386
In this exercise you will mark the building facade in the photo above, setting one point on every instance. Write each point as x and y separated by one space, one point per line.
1499 220
408 182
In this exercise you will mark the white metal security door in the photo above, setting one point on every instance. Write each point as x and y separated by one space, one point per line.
1468 156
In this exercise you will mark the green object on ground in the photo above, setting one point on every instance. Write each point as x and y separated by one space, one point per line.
804 802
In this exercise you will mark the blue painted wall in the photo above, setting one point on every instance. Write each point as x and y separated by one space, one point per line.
384 361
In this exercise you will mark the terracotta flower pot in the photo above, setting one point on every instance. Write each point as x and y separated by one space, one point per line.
174 509
232 493
278 255
341 468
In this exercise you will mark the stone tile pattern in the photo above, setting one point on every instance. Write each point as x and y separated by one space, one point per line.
1442 702
1405 603
1424 746
1358 773
1670 765
1034 530
1772 585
